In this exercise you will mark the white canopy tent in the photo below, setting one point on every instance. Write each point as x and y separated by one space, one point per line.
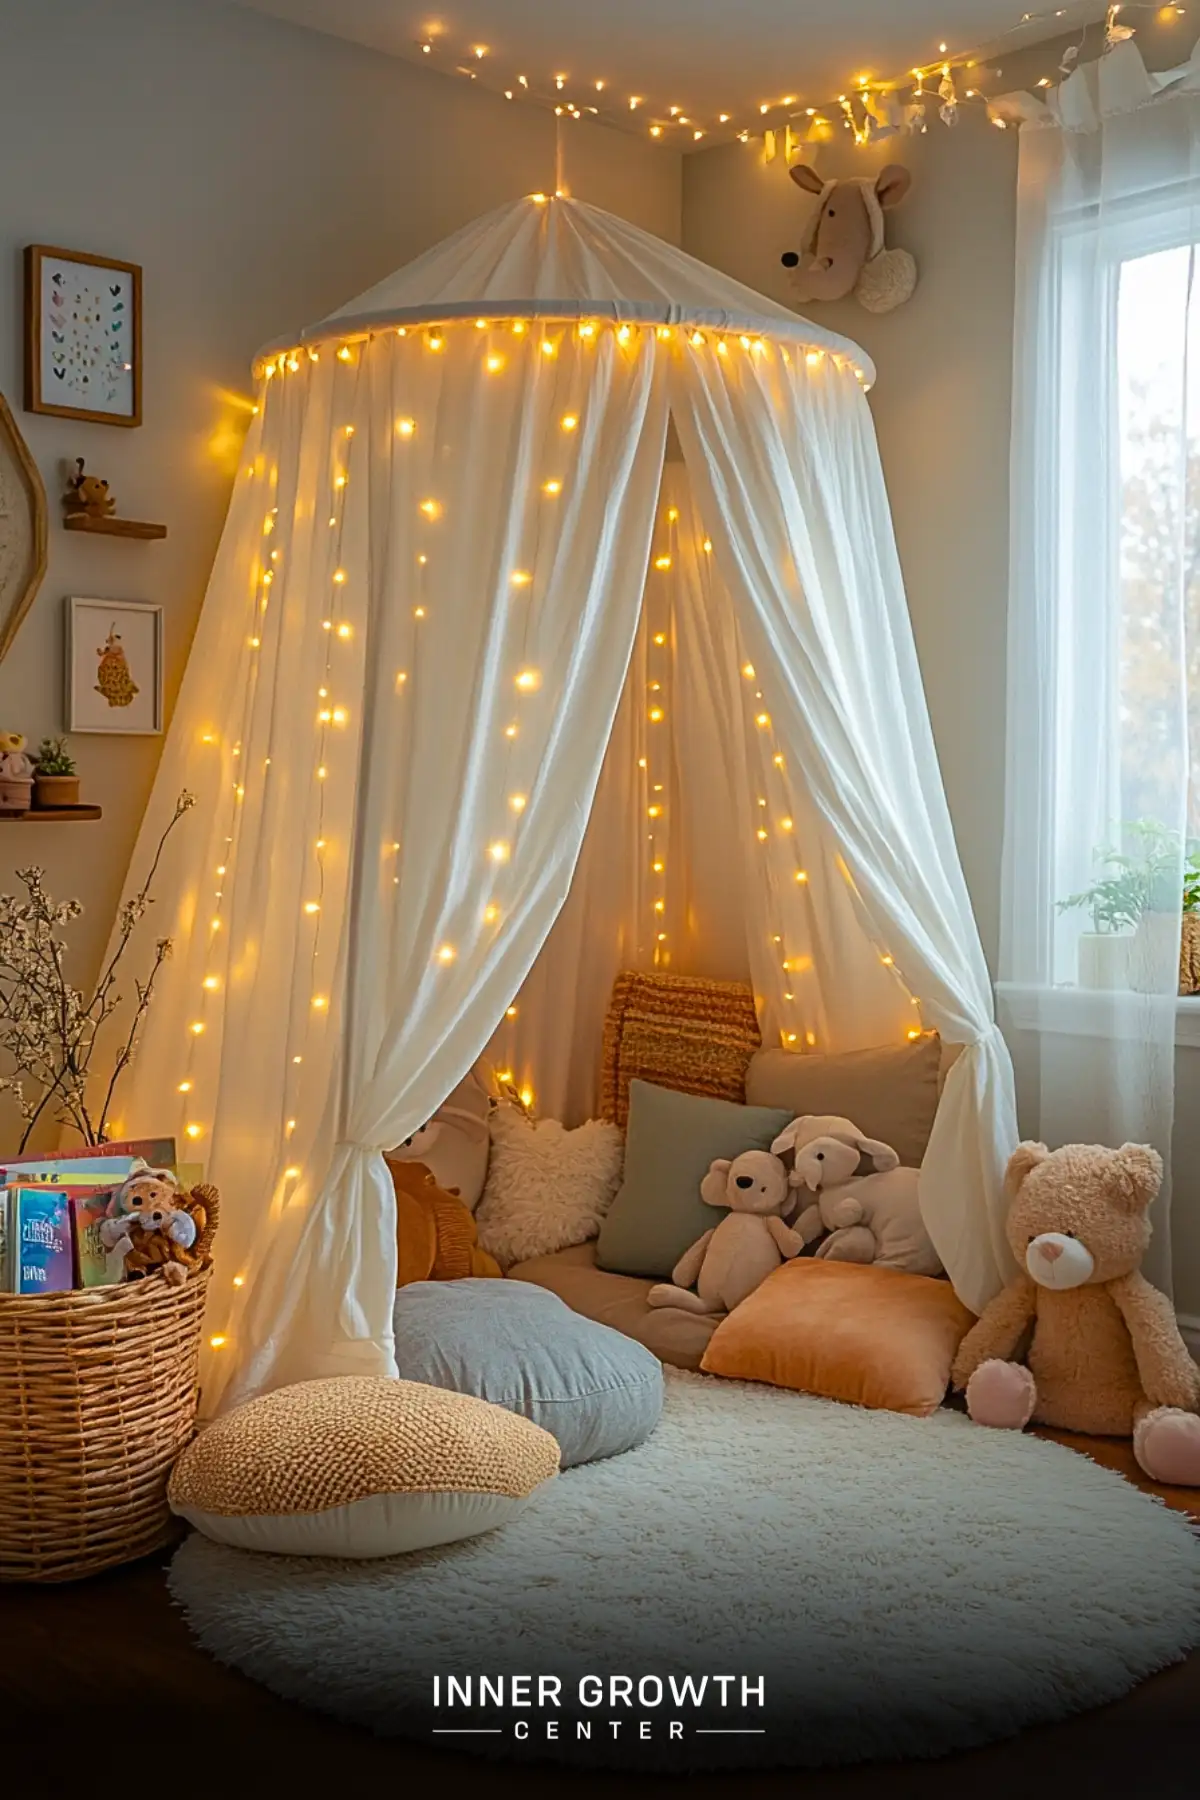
450 610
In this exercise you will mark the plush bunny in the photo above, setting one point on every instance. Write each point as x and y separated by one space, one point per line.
843 249
729 1261
871 1218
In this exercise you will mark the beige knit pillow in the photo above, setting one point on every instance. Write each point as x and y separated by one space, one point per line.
359 1466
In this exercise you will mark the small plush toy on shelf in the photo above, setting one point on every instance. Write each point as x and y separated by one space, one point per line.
88 494
16 773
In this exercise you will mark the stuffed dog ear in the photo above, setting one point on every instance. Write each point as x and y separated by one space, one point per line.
787 1138
714 1188
806 177
882 1156
891 185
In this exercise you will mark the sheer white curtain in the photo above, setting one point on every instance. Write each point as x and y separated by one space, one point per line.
394 718
1101 800
787 477
705 854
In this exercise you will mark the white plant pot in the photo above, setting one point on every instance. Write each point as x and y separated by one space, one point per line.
1104 959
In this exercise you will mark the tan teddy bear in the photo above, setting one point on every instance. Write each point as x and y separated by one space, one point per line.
751 1241
87 494
1105 1355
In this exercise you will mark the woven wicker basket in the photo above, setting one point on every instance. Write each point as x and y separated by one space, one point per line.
98 1392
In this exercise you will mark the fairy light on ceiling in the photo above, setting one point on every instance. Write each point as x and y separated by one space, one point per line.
941 84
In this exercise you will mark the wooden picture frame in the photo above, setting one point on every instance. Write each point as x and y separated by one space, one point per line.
114 667
86 339
24 529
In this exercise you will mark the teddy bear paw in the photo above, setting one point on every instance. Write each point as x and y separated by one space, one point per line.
1167 1445
1002 1394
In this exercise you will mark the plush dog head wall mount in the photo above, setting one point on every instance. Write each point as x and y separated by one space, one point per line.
843 249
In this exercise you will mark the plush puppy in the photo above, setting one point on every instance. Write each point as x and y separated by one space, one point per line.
730 1261
872 1154
843 247
872 1218
1104 1352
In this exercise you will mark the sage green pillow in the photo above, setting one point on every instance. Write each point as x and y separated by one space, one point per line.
670 1141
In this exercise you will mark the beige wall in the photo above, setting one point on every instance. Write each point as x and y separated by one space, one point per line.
941 407
941 404
262 175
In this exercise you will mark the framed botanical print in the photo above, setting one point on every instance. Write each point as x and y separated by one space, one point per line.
83 336
114 667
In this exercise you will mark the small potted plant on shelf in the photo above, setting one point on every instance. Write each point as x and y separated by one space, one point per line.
1136 906
55 778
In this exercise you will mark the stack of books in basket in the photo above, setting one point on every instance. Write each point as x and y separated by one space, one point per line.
52 1208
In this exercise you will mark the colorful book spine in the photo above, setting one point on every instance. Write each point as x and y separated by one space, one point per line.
69 1171
95 1265
158 1152
40 1257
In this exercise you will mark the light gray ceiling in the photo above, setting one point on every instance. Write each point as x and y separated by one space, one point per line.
703 57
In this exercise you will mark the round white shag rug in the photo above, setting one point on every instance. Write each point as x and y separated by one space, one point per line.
898 1587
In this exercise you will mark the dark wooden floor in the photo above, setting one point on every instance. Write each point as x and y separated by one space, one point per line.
106 1669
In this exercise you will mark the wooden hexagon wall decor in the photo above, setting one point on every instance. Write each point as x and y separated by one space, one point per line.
23 529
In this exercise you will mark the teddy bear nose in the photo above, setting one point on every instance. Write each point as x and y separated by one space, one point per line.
1051 1252
789 259
744 1181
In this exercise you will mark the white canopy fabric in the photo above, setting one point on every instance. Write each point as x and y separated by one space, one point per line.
545 258
447 595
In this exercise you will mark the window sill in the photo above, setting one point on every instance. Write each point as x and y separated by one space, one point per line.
1098 1012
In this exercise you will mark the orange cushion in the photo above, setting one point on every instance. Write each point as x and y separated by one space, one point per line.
847 1331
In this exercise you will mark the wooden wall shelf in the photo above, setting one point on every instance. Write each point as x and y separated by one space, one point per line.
51 815
126 528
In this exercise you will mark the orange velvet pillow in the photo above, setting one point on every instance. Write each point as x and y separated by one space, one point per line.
846 1331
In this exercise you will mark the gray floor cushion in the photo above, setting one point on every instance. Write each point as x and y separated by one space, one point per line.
520 1346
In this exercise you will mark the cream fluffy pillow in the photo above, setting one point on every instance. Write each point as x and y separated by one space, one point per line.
547 1187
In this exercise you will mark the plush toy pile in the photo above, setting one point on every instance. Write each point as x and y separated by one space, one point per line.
868 1217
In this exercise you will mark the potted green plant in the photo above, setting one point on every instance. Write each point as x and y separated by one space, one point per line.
1134 904
55 778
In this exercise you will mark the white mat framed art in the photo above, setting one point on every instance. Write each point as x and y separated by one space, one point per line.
114 667
83 336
